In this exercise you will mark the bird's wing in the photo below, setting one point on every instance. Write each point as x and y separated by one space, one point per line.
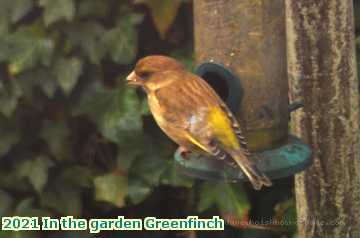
212 148
190 104
236 129
213 128
220 120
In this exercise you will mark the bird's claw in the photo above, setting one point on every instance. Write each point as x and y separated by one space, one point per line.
185 153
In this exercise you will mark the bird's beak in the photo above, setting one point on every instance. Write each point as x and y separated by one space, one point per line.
133 79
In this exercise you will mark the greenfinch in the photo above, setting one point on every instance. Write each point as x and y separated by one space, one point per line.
190 112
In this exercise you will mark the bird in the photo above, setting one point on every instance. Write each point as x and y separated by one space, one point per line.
190 112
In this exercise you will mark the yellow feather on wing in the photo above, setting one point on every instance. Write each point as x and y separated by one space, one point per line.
197 143
222 129
223 132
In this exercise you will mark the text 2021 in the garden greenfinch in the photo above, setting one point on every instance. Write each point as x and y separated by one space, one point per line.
17 223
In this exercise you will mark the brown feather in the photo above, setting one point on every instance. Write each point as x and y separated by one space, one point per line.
181 101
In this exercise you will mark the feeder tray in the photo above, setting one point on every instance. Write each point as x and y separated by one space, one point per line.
286 159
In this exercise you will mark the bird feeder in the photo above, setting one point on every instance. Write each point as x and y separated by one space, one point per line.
241 47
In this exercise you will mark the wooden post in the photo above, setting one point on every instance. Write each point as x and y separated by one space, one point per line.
322 72
248 36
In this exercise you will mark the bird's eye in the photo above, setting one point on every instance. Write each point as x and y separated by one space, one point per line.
144 74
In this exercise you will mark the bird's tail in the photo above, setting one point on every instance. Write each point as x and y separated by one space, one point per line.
256 177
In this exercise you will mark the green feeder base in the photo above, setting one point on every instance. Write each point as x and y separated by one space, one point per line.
287 159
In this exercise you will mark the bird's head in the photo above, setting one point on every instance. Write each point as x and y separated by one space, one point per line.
150 65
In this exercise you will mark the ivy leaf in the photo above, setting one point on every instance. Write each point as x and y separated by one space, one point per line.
285 213
20 9
56 134
78 176
55 10
26 207
152 163
9 181
9 135
24 49
127 160
122 118
126 157
10 93
233 199
88 37
35 170
112 188
116 112
138 190
172 177
14 10
121 41
91 8
67 72
24 204
149 168
41 77
63 198
163 13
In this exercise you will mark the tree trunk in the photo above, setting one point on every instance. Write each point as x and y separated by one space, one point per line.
322 72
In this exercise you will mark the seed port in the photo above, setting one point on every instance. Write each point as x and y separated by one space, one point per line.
225 83
218 83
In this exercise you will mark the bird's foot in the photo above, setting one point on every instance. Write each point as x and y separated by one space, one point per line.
185 153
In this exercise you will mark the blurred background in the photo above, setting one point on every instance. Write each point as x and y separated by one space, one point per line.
76 141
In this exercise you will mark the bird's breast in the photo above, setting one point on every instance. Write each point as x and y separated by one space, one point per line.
155 108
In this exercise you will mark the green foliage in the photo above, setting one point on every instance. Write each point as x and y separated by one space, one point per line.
10 93
26 48
121 41
55 10
116 112
286 214
111 187
12 11
56 134
163 13
67 72
232 200
75 140
10 135
35 170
